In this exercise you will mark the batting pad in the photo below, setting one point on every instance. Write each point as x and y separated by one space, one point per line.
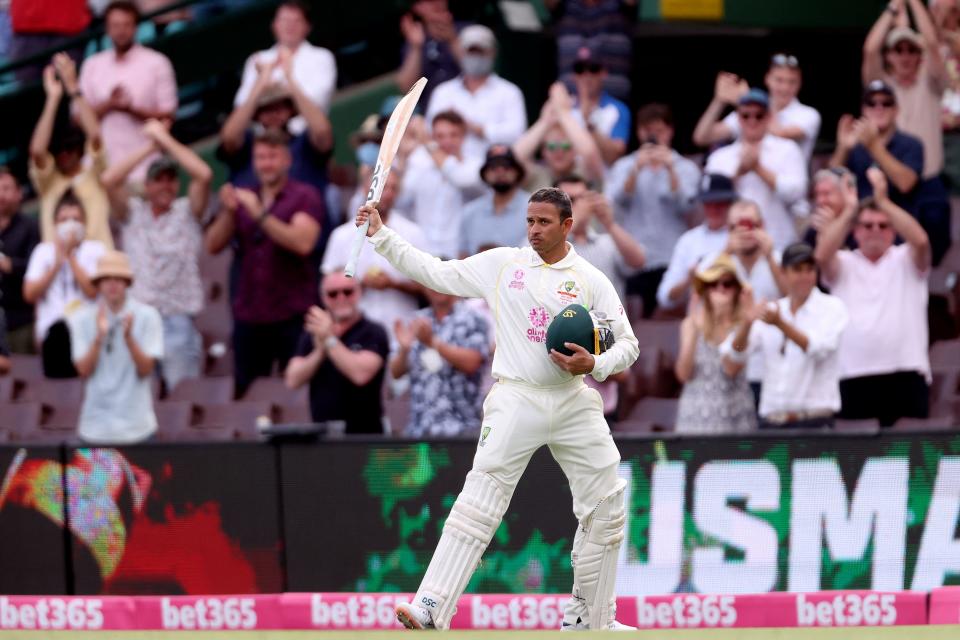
594 558
471 524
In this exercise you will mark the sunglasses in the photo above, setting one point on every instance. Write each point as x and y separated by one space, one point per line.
587 67
784 60
752 115
558 146
879 226
747 224
335 293
879 104
726 283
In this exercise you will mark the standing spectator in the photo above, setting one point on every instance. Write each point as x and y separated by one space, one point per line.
66 158
716 195
127 86
797 339
115 347
603 26
343 356
437 181
834 190
606 118
493 107
884 367
313 68
791 119
430 49
875 140
275 226
58 282
387 294
766 168
18 237
496 219
39 25
713 399
653 188
564 143
444 349
911 64
163 237
946 17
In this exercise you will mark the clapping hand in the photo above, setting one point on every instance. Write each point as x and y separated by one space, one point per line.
560 97
318 324
66 70
878 181
729 87
250 202
749 158
412 30
866 132
120 99
404 334
422 330
51 83
846 133
127 324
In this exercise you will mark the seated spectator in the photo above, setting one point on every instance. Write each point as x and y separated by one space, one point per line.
387 294
444 349
604 27
713 399
797 338
430 49
565 145
766 168
911 64
884 366
437 181
163 238
292 57
497 218
275 226
791 119
834 190
606 118
64 157
115 346
493 107
875 140
716 195
127 85
343 356
58 282
653 188
19 235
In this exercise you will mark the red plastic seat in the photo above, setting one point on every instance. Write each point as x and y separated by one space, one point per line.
651 414
274 391
212 390
55 393
242 419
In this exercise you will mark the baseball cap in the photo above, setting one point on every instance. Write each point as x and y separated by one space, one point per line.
477 35
161 165
797 253
715 187
587 60
755 96
904 33
500 155
878 86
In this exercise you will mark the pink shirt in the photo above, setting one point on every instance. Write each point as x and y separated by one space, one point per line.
148 77
887 304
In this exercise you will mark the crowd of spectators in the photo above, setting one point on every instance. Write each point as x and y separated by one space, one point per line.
801 281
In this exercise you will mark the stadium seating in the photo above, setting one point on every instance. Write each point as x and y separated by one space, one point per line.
649 415
207 390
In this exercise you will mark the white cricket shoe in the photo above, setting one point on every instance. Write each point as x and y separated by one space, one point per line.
413 616
580 625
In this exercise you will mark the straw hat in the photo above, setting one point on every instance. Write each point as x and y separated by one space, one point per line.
113 264
722 266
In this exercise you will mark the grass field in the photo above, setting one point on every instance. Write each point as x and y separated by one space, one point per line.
860 633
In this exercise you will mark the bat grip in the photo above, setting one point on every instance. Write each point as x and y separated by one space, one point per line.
355 249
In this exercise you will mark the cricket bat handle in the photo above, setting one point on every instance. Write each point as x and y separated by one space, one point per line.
355 249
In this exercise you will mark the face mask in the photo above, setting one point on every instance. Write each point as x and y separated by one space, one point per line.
502 187
71 230
474 65
367 153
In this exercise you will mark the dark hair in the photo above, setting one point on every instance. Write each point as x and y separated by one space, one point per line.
123 5
450 116
557 198
69 199
296 5
653 112
867 204
67 136
272 138
5 171
571 178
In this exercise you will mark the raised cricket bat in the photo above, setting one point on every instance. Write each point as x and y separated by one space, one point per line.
392 136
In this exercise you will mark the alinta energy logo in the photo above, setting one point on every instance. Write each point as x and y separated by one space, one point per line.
539 319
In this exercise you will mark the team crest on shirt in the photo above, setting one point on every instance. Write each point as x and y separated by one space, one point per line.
539 319
483 435
517 282
568 291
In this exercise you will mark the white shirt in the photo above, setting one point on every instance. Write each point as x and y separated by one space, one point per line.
314 69
525 294
781 157
497 106
794 114
63 296
764 287
692 247
887 302
435 196
797 380
117 403
383 306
